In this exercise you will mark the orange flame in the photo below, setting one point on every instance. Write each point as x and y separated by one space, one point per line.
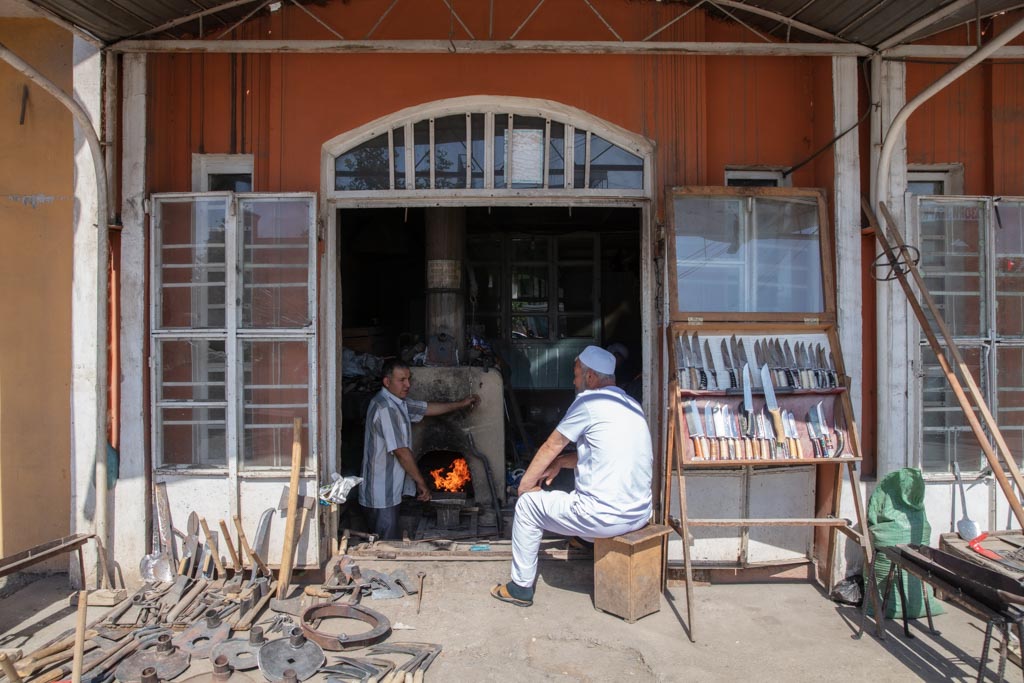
455 480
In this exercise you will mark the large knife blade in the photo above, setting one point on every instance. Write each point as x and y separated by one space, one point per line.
727 362
791 365
723 433
826 439
702 377
709 419
796 448
711 365
785 379
833 371
749 426
696 430
687 373
771 403
816 430
739 354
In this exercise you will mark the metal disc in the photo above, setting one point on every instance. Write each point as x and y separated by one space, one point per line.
295 652
241 652
168 664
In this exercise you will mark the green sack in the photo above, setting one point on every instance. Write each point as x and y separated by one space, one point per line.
896 516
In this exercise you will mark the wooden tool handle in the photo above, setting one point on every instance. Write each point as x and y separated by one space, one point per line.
8 668
713 448
284 576
214 551
798 448
254 559
76 669
698 449
235 560
776 414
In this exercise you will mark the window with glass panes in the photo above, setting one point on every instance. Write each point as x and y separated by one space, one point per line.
972 261
234 333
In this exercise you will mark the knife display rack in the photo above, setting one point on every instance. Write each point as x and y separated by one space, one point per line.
811 391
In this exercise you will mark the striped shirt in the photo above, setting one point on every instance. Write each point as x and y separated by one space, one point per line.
388 428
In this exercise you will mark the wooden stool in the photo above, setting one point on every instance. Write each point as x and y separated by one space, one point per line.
627 572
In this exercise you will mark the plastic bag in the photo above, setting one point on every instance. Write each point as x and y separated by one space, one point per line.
338 490
849 591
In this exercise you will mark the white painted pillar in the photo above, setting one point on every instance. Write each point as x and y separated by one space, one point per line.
897 330
846 222
131 505
88 313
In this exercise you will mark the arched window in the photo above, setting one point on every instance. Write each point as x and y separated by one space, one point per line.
497 146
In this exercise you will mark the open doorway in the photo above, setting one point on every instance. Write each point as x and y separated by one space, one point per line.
536 285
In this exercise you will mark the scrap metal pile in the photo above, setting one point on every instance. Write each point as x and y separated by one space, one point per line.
228 613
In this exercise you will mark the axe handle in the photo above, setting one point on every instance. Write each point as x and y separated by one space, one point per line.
231 547
221 572
254 559
284 576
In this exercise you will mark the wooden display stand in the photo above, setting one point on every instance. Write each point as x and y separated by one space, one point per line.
681 452
627 572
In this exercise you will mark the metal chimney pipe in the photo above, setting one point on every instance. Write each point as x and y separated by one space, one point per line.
445 249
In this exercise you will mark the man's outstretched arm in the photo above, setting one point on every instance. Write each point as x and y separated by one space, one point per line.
436 408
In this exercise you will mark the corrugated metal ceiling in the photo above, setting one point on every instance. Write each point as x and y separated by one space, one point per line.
868 22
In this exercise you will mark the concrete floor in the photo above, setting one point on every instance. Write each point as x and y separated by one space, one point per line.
787 631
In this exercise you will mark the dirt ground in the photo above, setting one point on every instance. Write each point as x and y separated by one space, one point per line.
781 631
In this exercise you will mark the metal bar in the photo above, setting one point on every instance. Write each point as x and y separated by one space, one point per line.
781 18
923 23
465 28
317 19
243 20
740 21
949 52
196 15
679 18
603 20
525 21
788 521
380 19
609 47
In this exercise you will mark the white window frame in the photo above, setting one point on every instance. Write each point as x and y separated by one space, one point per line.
774 173
205 165
950 175
491 107
233 337
988 341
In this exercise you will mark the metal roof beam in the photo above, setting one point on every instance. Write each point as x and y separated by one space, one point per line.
781 18
925 22
949 52
191 17
494 47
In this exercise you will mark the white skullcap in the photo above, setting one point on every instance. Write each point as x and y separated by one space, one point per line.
618 348
598 360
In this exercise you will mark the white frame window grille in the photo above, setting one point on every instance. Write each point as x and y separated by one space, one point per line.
943 265
206 165
950 176
231 329
511 148
757 176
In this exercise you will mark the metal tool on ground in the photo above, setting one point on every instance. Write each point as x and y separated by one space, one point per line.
222 671
379 624
419 593
167 661
201 637
422 655
363 670
241 652
160 564
295 652
255 561
246 618
383 585
975 545
965 526
284 576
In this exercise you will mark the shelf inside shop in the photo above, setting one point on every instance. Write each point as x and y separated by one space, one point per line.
780 393
732 464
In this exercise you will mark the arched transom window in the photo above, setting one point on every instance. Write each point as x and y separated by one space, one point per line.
497 146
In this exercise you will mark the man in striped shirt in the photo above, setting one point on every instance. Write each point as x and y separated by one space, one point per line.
389 467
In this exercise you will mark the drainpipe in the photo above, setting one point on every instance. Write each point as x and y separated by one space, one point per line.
102 249
983 53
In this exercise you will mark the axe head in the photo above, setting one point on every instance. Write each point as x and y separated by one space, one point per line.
304 501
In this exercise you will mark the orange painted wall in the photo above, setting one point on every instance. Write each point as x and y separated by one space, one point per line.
36 201
702 112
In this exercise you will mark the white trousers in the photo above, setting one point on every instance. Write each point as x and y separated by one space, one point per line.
541 511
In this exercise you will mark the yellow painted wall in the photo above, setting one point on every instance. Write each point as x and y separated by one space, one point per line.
36 199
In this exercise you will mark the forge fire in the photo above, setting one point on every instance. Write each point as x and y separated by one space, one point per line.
452 478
